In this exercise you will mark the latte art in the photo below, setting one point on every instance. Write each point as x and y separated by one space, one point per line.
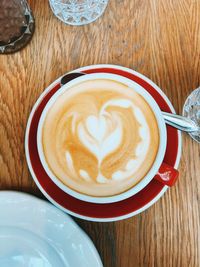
104 134
100 138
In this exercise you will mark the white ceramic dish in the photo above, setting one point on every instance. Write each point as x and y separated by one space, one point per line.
34 233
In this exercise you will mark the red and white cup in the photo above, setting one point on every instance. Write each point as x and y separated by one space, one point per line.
160 171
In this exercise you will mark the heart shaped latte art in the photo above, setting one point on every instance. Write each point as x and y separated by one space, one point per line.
97 136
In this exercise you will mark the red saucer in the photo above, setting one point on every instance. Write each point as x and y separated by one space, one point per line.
90 211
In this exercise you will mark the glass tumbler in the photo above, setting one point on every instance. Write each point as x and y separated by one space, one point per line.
191 110
16 25
78 12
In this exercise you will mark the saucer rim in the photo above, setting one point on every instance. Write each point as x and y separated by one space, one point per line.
56 82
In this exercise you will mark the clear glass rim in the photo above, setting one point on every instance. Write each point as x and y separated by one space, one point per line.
79 5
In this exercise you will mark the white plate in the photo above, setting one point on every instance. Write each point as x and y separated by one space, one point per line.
34 233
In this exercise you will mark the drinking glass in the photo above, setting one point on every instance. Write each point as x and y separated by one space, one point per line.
16 25
191 110
78 12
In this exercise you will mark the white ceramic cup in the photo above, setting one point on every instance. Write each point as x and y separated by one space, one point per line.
161 149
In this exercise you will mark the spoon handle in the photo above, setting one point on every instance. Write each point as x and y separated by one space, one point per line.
180 122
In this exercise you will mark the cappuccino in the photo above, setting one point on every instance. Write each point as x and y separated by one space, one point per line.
100 138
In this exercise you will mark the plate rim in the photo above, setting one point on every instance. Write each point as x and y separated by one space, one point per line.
52 85
10 194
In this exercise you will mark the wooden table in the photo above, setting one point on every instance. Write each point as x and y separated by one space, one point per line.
160 39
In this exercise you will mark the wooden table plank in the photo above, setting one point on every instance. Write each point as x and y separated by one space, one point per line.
160 39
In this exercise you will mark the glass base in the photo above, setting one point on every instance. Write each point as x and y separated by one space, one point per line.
17 39
79 15
191 110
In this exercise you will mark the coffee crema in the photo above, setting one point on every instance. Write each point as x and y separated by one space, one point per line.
100 138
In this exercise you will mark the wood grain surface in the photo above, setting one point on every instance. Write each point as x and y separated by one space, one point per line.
158 38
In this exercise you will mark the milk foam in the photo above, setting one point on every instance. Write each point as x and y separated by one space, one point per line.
99 136
95 135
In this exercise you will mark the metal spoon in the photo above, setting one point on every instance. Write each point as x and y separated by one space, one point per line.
179 122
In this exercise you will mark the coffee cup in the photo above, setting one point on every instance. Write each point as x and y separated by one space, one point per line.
102 138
